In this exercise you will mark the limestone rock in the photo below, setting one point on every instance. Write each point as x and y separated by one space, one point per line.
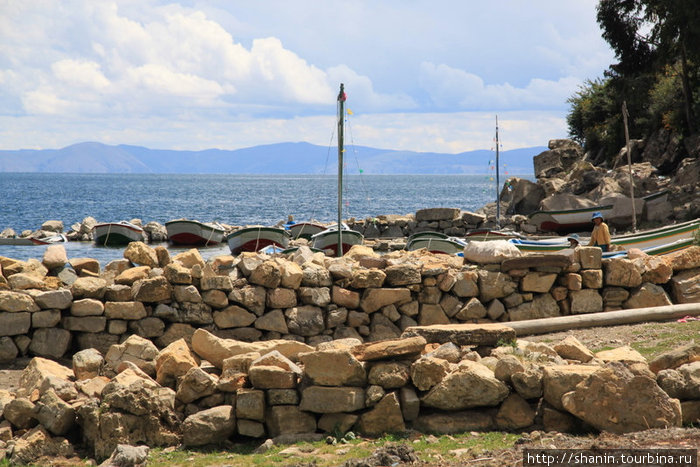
375 299
156 289
335 367
37 443
648 295
462 334
54 299
389 375
174 361
211 426
622 272
406 345
50 342
686 286
471 385
560 379
571 349
514 414
141 254
428 371
674 358
87 364
54 257
195 384
323 399
54 414
614 399
494 284
586 301
288 419
134 349
456 421
88 287
14 302
384 417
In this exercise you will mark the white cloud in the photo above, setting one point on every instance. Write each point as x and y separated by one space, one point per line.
197 74
450 88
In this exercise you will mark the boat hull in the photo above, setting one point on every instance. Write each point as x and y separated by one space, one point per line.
481 235
305 230
60 238
654 238
327 241
448 246
112 234
567 221
185 232
256 238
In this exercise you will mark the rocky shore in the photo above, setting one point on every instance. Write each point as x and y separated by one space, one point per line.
175 350
168 350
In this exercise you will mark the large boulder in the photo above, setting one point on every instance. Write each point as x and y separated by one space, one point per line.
615 399
494 251
211 426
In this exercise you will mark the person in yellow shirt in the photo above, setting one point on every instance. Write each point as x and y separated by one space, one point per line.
600 236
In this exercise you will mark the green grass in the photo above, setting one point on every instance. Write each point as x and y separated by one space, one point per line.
668 336
428 448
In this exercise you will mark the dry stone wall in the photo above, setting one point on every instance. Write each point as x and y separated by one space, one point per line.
55 307
169 351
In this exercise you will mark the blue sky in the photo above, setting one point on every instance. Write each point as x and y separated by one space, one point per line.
420 75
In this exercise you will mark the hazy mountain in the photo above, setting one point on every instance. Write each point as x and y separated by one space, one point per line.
279 158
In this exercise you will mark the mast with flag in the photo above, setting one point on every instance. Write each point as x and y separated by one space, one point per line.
341 117
498 203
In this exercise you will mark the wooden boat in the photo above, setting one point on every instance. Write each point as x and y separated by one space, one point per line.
658 250
51 239
568 220
481 235
337 241
652 238
191 232
575 220
304 229
256 237
448 246
329 239
117 233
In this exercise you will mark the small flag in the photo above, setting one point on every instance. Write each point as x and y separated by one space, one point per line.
349 112
361 171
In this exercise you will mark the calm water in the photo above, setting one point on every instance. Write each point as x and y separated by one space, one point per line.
27 200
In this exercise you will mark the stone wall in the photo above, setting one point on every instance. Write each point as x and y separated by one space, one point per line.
58 306
367 343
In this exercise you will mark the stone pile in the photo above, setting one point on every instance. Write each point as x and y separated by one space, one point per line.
57 306
212 391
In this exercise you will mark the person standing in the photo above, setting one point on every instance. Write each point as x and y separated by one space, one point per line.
600 236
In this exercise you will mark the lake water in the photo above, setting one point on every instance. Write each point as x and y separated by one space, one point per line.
29 199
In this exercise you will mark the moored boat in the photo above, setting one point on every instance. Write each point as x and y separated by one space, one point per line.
117 233
658 250
449 245
51 239
652 238
329 239
191 232
255 238
568 220
481 235
305 229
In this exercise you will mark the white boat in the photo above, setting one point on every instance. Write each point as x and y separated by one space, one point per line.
51 239
191 232
658 250
337 241
304 229
329 239
255 238
117 233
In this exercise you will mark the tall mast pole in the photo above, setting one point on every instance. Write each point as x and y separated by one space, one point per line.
625 117
498 183
341 128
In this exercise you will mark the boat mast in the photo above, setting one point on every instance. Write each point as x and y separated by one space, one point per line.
341 116
498 183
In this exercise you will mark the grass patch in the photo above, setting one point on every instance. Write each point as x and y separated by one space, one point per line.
428 449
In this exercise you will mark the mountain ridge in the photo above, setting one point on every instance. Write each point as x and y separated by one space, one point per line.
278 158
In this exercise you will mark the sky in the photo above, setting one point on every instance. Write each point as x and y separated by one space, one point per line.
420 75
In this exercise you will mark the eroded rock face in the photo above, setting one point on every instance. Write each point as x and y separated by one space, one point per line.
616 400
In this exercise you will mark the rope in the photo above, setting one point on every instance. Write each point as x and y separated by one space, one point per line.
211 234
257 240
109 230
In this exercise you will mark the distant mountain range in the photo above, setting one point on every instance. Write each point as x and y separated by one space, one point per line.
282 158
